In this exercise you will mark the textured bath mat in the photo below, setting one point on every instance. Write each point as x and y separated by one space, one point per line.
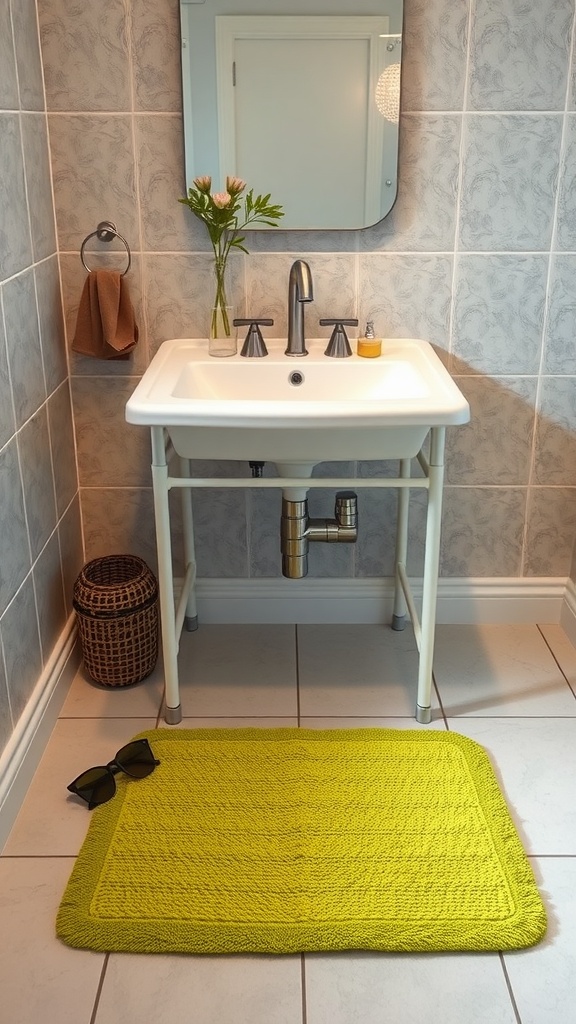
287 840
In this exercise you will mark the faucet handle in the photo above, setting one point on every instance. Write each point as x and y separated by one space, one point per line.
339 346
254 344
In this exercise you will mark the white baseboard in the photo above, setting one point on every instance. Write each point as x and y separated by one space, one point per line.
472 600
22 754
568 614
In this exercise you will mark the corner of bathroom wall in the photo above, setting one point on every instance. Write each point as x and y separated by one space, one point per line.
34 456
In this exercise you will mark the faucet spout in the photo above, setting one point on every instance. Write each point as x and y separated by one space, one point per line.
300 290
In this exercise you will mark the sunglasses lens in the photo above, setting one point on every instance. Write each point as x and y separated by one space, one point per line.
95 786
136 759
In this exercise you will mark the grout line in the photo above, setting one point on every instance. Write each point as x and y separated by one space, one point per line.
439 699
158 718
458 197
550 648
106 718
303 987
297 673
552 856
547 302
99 989
456 487
512 717
384 253
405 112
510 990
142 275
10 709
38 856
408 715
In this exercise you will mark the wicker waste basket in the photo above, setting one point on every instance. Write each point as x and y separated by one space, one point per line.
116 605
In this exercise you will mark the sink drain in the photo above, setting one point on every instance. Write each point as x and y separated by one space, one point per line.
296 378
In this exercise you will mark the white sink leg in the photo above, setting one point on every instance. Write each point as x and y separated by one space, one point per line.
430 582
399 614
173 710
191 616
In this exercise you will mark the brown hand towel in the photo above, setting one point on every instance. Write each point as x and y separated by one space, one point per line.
105 327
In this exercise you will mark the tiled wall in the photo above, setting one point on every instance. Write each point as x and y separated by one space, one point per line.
478 256
40 535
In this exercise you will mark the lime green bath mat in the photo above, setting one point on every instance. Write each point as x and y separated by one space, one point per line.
287 840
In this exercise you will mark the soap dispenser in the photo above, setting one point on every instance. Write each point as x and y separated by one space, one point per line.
369 346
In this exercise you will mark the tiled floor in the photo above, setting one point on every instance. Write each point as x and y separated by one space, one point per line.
509 687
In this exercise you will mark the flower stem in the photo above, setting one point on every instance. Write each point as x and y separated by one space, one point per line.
220 302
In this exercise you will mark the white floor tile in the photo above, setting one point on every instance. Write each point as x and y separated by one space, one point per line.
418 989
498 670
53 822
535 761
357 670
238 670
41 979
544 978
207 990
86 699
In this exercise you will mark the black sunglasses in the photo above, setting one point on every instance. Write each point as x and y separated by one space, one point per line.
97 785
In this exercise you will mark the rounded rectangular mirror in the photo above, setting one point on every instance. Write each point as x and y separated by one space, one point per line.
300 103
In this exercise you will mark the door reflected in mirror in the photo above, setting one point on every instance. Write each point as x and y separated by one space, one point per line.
301 105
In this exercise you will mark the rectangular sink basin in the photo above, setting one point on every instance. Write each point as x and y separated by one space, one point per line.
316 389
285 409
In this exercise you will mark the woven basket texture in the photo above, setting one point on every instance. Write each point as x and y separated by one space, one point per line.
116 605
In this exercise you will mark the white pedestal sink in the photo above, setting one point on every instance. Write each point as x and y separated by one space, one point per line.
297 412
282 409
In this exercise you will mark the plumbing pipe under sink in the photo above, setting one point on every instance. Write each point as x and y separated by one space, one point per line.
297 530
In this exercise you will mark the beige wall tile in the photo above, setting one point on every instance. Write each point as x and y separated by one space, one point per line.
85 54
482 531
111 452
156 55
550 533
496 446
94 176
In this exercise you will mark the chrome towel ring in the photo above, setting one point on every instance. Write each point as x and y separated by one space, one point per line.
106 232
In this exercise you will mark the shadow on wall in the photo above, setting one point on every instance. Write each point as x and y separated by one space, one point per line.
511 478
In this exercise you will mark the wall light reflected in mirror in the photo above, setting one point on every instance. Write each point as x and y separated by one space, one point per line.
387 94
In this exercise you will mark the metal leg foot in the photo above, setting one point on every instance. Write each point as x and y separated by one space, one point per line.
398 622
191 623
423 715
172 716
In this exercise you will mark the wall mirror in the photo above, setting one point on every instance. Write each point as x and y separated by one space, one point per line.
300 100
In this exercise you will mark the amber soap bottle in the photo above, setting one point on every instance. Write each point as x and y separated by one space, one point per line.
369 346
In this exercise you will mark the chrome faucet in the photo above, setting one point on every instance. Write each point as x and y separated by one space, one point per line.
299 291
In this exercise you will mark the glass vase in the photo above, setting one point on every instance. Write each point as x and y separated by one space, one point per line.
222 333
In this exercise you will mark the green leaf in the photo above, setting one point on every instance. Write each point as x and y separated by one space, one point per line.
224 226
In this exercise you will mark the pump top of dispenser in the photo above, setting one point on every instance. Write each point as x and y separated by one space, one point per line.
369 332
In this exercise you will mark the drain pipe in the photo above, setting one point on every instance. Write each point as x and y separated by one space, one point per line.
297 530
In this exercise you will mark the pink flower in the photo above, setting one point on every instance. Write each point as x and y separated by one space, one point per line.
235 185
203 183
221 199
